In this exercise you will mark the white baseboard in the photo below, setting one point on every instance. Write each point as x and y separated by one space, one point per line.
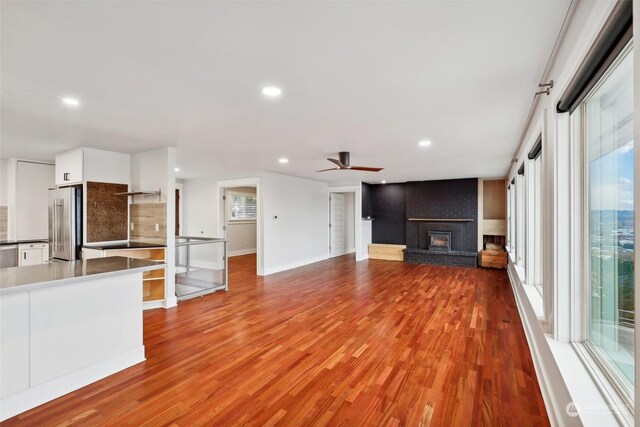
149 305
554 391
241 252
171 301
22 401
296 264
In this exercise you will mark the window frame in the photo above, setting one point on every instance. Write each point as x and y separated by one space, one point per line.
509 216
607 380
533 227
521 221
232 220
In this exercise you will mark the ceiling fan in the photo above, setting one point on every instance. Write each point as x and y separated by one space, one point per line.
343 164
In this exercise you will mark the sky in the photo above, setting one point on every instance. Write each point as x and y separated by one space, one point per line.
612 180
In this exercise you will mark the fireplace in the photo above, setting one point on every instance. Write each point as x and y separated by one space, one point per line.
439 240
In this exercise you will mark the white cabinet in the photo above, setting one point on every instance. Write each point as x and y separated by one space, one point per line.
88 164
32 253
33 181
70 167
14 343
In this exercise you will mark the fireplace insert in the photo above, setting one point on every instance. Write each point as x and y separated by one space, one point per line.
439 240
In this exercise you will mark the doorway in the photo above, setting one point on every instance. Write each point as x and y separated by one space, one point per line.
240 220
341 223
251 186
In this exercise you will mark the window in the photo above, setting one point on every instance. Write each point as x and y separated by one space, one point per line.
607 123
534 224
509 219
520 219
242 207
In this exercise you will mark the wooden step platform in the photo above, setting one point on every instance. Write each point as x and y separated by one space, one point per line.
386 252
493 259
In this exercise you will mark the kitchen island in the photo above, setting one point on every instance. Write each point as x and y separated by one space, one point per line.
66 324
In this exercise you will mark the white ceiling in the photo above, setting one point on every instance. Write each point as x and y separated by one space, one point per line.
370 78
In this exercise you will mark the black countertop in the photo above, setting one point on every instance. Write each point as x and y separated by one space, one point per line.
124 245
18 242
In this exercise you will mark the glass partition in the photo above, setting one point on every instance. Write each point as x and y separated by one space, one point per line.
201 266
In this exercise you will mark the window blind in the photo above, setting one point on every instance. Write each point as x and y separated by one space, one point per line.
536 151
612 39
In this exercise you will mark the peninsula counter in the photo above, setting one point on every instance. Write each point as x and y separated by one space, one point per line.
66 324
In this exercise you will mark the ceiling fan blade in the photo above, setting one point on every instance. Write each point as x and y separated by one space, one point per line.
331 169
364 168
337 162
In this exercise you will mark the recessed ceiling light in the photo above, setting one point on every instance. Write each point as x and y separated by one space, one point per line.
283 160
383 181
176 169
272 91
424 143
70 102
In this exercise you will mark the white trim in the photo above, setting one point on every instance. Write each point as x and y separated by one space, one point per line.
170 301
554 391
30 398
296 264
361 253
150 305
244 182
240 252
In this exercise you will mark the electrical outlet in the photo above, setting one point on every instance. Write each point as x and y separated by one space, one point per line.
157 227
132 227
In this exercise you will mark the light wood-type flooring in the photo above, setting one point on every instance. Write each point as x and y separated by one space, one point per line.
334 343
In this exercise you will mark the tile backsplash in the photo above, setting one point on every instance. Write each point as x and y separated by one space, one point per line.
148 222
4 222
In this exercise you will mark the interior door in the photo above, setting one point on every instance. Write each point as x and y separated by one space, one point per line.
336 224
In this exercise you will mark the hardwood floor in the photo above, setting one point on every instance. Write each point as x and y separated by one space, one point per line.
333 343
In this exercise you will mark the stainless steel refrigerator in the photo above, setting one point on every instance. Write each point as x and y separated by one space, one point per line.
65 223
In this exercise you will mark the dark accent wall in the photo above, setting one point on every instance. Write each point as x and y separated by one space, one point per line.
454 198
107 214
366 200
388 207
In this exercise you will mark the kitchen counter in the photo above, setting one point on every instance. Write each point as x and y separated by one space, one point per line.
67 324
125 245
19 279
19 242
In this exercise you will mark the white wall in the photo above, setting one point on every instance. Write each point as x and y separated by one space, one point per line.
150 171
299 235
4 174
295 222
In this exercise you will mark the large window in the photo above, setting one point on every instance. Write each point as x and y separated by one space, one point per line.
520 220
242 207
534 262
509 218
607 114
